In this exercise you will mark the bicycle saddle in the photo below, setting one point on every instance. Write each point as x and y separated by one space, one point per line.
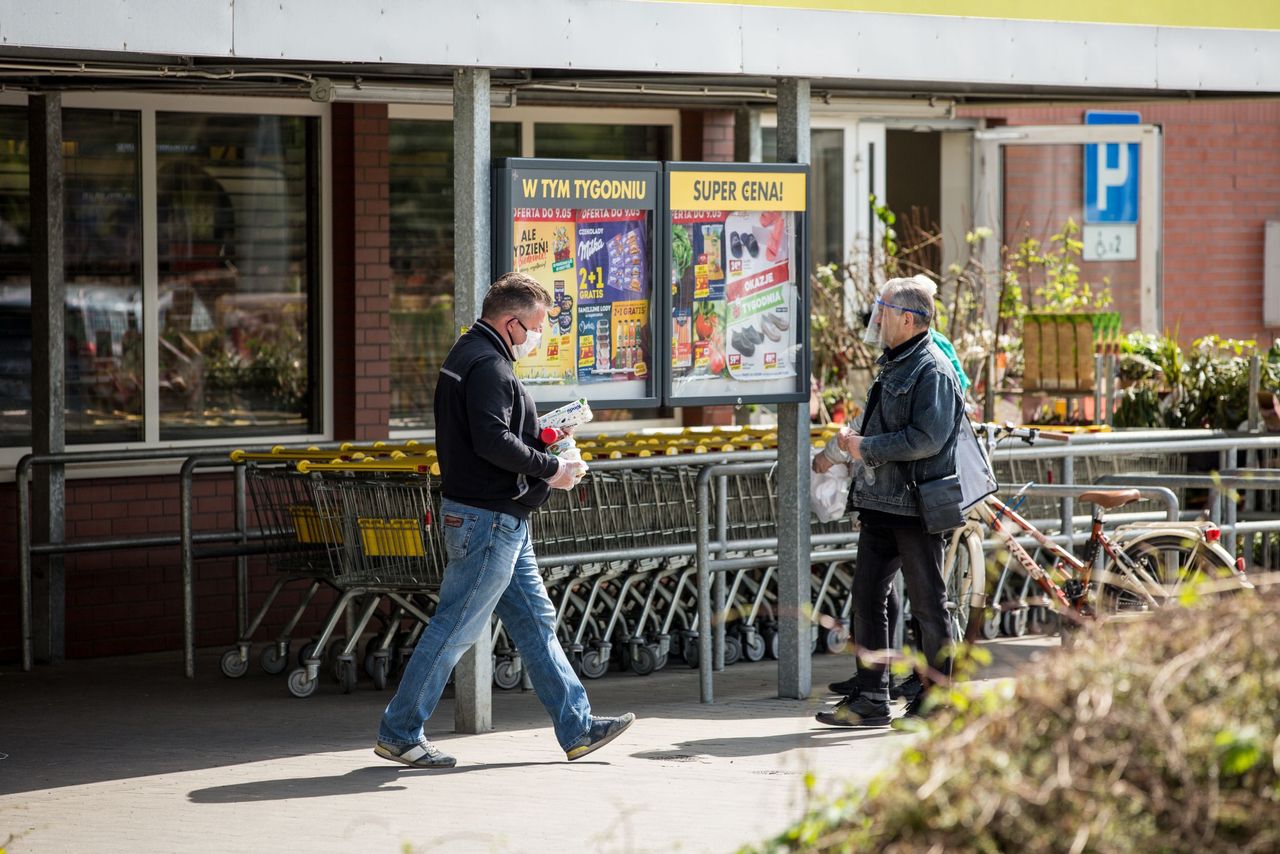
1111 498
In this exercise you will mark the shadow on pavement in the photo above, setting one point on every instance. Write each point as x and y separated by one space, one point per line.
732 748
358 782
137 716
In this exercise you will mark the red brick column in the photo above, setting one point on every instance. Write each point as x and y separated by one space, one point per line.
361 272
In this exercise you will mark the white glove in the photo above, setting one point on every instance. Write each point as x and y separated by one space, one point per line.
567 474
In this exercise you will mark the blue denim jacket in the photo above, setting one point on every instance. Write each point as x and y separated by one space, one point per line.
915 420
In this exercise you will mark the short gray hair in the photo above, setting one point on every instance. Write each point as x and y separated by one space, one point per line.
915 293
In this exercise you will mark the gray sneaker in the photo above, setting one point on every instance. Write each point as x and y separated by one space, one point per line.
424 754
603 731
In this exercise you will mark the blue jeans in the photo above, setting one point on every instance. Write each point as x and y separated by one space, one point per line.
491 566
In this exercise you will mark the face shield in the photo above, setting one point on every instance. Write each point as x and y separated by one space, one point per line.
871 334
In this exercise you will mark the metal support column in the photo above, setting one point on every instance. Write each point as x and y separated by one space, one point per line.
48 371
795 674
748 140
473 677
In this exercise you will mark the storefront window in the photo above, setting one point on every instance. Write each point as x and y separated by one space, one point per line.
826 218
103 274
422 259
237 274
602 142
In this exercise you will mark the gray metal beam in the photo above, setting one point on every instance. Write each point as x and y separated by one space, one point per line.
48 370
748 144
473 677
471 195
795 674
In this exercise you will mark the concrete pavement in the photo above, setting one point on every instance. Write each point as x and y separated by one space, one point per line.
125 755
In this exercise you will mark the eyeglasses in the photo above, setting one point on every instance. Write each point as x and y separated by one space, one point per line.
526 329
914 311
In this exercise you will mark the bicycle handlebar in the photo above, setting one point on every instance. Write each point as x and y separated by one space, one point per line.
1027 434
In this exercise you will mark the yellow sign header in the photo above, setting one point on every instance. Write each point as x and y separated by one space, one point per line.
1240 14
738 191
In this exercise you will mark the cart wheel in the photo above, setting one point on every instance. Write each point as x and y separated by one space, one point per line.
308 652
1014 622
594 665
332 652
299 685
732 650
378 672
233 665
774 646
346 674
753 648
507 673
837 639
273 661
1038 619
691 652
991 625
644 660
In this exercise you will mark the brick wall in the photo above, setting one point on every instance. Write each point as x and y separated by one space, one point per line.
361 271
1221 184
130 601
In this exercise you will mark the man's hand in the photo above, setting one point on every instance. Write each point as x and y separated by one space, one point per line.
567 474
851 443
821 462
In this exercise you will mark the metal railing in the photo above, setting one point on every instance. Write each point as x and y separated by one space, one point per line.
186 538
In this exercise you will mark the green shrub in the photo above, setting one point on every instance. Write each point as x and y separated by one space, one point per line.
1158 735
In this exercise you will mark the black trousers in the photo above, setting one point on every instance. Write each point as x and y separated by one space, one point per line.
879 551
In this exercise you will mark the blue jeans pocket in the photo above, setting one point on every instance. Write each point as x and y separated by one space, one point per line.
458 528
506 523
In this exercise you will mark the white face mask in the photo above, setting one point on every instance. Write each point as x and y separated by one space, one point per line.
532 339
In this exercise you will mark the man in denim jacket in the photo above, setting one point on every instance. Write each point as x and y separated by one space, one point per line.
908 434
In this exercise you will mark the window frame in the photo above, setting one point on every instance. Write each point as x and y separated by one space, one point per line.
148 105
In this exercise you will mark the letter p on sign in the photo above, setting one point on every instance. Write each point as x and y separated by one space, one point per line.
1111 173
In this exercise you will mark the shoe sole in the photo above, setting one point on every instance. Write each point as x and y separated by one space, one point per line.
387 754
864 723
579 752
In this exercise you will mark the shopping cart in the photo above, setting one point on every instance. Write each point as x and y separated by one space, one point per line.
389 549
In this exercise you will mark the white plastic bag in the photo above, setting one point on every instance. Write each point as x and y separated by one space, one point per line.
829 491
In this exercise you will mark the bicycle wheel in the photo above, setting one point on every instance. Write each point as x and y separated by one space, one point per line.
966 585
1163 567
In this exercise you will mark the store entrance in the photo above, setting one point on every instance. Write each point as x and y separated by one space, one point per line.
928 185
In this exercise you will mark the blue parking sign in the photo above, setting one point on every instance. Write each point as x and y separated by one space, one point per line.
1111 172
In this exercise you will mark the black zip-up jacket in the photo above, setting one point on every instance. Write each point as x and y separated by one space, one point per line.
487 429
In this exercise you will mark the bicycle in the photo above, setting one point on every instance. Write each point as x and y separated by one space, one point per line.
1147 564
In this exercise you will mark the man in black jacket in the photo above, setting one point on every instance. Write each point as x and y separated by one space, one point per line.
495 472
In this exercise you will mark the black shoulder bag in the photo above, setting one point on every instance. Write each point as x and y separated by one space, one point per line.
939 499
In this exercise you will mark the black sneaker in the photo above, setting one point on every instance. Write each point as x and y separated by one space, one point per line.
845 688
918 710
856 711
908 689
603 731
424 754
